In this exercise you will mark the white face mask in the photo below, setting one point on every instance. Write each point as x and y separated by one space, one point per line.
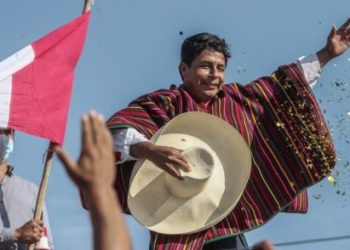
6 147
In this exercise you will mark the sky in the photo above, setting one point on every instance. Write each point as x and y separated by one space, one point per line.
133 47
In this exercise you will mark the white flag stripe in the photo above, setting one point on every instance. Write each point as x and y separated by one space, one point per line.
5 101
15 62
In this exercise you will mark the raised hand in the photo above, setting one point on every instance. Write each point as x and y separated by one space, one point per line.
338 42
95 167
95 174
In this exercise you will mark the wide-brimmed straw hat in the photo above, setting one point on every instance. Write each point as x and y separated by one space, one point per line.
220 162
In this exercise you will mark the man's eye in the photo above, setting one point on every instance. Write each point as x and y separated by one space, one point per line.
221 69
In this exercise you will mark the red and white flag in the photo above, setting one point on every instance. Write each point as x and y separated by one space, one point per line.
36 82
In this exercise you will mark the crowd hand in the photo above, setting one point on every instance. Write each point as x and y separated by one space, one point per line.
264 245
30 232
167 158
95 168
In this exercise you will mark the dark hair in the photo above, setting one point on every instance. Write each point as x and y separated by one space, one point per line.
194 45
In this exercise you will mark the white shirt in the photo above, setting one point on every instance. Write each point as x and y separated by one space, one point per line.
124 138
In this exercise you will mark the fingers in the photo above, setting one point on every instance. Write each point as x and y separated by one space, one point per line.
99 130
38 222
30 232
174 161
344 30
345 25
36 230
86 136
169 159
94 125
173 171
175 157
180 162
333 32
178 159
95 132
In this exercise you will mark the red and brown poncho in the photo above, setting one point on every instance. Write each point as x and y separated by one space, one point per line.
279 118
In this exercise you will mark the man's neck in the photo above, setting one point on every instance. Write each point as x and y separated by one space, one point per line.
3 170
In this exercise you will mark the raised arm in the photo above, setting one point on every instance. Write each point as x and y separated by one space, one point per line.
95 173
338 42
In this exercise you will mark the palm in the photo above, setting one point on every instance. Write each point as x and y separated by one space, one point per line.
339 40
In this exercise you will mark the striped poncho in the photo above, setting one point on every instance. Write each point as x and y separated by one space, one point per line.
281 122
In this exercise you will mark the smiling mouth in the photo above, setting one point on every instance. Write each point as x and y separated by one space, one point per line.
212 85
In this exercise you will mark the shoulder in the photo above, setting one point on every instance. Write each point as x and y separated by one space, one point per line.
165 92
23 183
234 88
158 95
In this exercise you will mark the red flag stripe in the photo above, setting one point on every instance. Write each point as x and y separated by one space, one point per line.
36 82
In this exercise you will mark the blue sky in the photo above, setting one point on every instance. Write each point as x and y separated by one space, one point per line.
133 47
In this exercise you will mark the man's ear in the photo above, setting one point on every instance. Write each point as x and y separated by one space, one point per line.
182 69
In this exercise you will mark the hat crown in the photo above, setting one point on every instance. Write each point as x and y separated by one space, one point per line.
201 162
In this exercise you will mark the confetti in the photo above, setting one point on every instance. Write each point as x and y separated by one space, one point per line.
240 70
331 180
279 124
316 196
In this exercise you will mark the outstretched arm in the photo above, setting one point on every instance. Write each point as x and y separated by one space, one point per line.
338 42
95 173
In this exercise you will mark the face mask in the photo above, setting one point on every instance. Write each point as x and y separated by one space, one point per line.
6 147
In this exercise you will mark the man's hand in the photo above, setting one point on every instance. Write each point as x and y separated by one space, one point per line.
338 42
30 232
167 158
95 167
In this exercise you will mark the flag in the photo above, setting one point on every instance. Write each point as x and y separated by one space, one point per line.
36 82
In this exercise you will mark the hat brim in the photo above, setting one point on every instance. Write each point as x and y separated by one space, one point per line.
157 209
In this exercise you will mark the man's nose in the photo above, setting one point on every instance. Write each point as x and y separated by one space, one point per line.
214 72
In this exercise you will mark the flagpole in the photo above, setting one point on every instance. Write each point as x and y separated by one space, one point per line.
43 186
44 181
88 5
48 161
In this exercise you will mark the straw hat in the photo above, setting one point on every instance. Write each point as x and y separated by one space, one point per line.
220 162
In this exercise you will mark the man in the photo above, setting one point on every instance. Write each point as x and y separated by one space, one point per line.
278 117
94 173
17 203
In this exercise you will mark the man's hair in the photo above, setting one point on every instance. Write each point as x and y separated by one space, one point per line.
194 45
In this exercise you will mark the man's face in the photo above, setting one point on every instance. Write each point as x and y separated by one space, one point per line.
206 75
